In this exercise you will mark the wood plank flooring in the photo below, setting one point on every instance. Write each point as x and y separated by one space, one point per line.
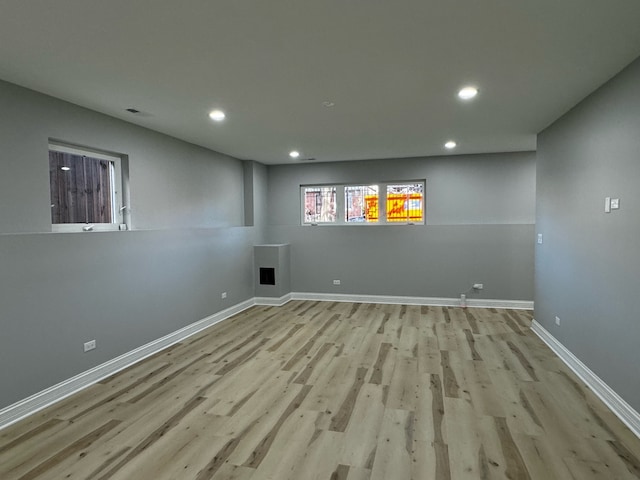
334 391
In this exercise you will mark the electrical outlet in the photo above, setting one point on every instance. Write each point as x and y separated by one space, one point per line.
558 321
539 239
224 295
90 345
336 282
478 286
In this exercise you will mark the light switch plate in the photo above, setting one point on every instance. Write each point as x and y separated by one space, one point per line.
615 203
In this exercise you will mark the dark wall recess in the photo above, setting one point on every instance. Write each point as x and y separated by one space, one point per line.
267 276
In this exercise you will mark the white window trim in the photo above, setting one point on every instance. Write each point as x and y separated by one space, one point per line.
382 204
116 190
339 203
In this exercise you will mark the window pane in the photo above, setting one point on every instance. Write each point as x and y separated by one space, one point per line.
405 202
319 204
82 189
361 203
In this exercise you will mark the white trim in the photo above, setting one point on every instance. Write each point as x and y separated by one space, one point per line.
511 304
432 301
611 399
273 301
80 227
34 403
116 187
51 395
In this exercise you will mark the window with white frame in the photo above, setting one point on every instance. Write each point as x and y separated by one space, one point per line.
361 203
319 204
86 190
382 203
405 202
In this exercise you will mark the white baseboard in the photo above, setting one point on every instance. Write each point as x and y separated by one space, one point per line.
276 302
51 395
611 399
399 300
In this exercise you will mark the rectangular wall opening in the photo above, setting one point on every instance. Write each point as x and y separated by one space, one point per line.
267 276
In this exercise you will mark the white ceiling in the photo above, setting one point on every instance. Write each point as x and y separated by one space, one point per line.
392 68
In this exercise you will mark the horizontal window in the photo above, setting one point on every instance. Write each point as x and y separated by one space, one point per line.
405 202
361 203
392 203
85 188
319 204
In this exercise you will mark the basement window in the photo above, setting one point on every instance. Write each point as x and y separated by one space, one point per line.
361 203
382 203
86 190
319 204
405 202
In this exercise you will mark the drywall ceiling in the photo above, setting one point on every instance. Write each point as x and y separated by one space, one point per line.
391 69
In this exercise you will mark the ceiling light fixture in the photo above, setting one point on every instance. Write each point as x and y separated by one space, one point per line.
450 145
467 93
217 115
294 154
328 104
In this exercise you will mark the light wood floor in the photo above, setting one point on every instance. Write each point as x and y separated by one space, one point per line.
334 391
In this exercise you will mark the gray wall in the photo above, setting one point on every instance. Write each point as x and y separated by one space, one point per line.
255 193
588 268
189 242
480 216
123 289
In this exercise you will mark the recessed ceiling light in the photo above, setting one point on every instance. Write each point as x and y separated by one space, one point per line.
467 93
294 154
450 145
66 169
217 115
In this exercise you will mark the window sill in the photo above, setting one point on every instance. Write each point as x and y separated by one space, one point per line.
88 228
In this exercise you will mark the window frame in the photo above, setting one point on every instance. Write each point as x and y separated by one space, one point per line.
360 186
117 190
422 200
303 203
382 203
